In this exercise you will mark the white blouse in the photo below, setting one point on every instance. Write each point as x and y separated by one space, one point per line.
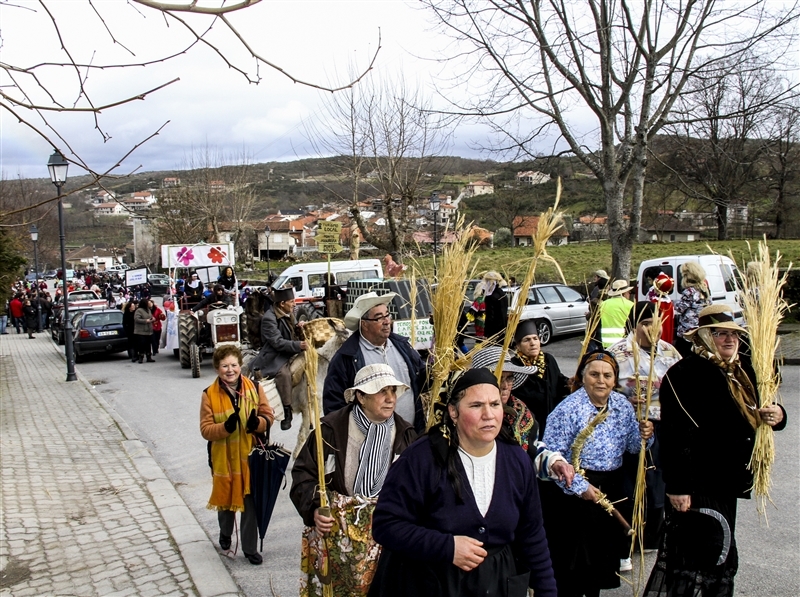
480 474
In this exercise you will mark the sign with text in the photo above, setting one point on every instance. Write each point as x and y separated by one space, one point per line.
329 247
423 332
134 277
330 227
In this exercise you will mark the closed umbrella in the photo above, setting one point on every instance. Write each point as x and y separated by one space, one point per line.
268 464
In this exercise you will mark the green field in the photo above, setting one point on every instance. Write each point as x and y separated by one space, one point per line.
578 261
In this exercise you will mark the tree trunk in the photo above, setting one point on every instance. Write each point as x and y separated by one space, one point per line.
621 245
722 221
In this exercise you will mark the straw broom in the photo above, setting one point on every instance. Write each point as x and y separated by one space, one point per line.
639 505
764 307
549 223
311 369
454 272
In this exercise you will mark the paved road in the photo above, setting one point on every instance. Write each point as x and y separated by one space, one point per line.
160 401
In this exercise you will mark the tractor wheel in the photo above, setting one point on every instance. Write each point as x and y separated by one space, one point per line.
194 357
187 333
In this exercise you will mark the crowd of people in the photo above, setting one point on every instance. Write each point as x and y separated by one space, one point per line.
510 485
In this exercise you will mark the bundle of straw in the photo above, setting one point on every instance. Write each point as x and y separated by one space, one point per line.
311 366
448 300
639 504
549 223
764 307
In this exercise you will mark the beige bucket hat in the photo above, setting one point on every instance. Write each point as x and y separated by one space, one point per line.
371 379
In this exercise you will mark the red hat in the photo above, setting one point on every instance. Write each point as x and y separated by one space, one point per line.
663 283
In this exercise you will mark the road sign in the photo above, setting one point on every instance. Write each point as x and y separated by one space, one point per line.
329 247
332 227
327 237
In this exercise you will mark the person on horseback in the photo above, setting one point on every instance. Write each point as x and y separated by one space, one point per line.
279 344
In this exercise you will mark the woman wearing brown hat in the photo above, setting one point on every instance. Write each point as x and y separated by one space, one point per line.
446 527
709 417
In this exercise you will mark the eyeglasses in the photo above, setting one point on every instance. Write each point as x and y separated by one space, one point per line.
725 335
378 318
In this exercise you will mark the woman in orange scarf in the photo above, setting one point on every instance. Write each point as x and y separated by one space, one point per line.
232 409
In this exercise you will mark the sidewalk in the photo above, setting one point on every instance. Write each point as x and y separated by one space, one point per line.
789 334
85 510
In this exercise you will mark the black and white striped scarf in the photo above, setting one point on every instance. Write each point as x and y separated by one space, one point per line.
375 454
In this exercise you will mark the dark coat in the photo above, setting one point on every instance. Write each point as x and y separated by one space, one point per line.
304 492
710 457
348 360
542 395
496 314
31 317
278 343
418 513
127 321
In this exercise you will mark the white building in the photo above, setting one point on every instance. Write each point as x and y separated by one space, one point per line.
532 177
479 187
109 209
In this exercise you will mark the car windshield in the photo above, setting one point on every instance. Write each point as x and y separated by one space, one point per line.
82 296
101 319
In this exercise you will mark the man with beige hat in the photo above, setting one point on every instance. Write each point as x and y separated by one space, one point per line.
614 313
374 342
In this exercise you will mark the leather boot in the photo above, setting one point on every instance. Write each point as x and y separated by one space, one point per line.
287 418
141 359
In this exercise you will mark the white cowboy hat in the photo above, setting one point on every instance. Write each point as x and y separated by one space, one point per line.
371 379
619 287
362 305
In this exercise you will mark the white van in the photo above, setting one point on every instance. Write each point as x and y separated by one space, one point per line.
308 279
721 275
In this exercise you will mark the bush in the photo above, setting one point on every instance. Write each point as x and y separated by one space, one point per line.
502 238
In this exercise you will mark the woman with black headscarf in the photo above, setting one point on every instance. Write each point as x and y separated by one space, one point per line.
446 527
709 417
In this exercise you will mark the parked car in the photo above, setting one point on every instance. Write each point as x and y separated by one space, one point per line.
557 310
85 298
57 321
33 277
159 284
51 274
98 331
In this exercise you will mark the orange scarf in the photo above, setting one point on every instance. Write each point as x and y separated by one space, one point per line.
229 455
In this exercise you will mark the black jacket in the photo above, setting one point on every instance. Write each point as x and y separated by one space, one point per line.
542 395
305 483
708 453
496 314
348 360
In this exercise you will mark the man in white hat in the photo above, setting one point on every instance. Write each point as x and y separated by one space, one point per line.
614 313
374 342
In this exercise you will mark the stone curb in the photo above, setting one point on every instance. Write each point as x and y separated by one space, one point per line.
210 576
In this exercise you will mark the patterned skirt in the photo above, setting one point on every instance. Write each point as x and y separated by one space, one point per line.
347 557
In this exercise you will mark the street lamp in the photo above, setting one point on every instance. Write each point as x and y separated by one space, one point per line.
267 232
58 175
434 205
35 239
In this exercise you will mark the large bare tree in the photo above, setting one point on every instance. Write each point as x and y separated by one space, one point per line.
783 161
602 75
389 141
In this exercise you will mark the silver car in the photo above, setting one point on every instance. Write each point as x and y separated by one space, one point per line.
557 310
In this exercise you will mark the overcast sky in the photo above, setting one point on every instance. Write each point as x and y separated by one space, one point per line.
211 104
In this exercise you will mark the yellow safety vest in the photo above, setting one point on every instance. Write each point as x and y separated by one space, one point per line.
613 315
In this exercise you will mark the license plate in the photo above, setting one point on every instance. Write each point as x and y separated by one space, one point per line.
112 333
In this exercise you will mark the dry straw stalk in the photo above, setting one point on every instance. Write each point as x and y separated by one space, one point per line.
448 300
549 223
764 308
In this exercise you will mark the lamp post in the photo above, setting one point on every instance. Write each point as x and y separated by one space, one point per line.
35 239
58 175
267 232
434 205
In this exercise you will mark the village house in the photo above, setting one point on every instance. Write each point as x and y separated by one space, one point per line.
525 227
478 187
109 209
532 177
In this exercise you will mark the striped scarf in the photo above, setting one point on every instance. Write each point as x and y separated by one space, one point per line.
375 454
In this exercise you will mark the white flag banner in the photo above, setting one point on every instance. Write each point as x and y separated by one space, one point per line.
200 255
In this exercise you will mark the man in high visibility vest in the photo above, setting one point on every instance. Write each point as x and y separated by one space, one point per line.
614 313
